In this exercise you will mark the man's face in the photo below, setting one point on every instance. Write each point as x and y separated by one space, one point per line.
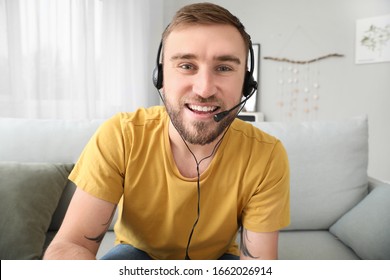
204 68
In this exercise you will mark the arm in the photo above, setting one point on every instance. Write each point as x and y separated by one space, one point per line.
259 245
83 228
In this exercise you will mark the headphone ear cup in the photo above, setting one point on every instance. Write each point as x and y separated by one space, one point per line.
158 76
249 84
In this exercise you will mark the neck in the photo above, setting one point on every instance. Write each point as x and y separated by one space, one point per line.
187 156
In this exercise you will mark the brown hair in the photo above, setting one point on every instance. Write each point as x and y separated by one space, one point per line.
206 13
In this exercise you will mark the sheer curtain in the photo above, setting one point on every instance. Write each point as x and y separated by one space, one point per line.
77 59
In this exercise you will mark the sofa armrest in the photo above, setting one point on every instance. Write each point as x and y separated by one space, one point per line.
365 228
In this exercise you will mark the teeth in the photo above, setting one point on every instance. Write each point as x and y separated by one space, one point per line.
202 108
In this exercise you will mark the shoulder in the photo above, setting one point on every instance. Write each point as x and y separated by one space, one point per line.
255 141
125 124
140 117
245 131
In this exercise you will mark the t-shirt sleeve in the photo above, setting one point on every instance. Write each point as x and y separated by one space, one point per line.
101 166
269 208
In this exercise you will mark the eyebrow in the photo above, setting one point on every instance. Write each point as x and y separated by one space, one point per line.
230 58
222 58
183 56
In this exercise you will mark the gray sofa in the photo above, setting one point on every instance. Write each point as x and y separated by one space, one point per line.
337 211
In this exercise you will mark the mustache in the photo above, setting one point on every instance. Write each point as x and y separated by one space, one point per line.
199 99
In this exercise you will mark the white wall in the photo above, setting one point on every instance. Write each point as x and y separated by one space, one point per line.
305 29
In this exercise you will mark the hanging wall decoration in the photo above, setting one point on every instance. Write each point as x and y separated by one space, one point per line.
299 87
298 84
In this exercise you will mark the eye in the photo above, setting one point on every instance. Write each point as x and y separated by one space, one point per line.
224 68
186 66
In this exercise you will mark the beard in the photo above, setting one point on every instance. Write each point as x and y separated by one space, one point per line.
197 132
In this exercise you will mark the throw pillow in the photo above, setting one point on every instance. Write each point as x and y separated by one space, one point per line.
328 164
366 227
29 193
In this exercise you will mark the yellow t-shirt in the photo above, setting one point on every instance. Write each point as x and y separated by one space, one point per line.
129 161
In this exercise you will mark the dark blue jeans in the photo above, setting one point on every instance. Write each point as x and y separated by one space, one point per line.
128 252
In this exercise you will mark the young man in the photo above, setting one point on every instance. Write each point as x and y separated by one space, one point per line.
184 182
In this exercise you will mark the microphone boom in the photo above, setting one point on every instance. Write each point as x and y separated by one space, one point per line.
218 117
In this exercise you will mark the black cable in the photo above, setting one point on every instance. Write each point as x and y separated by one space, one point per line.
187 257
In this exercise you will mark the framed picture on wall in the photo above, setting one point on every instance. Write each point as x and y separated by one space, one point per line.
373 40
251 104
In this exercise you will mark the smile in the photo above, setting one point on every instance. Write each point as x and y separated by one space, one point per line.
202 109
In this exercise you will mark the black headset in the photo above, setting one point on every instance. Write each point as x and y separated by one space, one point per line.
249 86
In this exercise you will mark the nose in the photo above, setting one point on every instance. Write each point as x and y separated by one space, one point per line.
204 83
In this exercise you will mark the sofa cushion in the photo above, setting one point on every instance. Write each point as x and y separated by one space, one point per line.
366 228
312 245
29 193
328 162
